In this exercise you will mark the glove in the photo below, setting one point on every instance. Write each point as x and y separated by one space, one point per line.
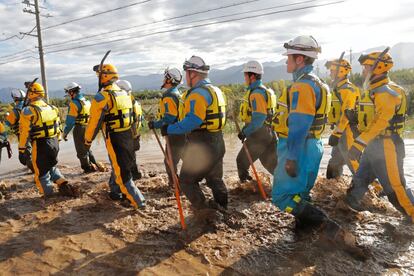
356 150
164 130
22 158
291 168
65 137
333 139
352 116
241 136
151 124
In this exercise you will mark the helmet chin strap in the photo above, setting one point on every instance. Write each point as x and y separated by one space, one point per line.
164 83
191 80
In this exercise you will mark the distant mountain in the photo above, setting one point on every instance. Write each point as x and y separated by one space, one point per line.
402 54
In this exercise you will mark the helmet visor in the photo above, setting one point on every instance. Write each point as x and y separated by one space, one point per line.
192 66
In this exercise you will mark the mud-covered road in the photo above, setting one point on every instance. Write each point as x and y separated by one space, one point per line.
92 235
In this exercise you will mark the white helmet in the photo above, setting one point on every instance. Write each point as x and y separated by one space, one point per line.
174 75
72 85
124 85
17 94
303 45
196 64
253 66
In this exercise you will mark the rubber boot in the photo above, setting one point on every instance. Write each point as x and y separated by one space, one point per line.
333 172
308 216
352 202
245 178
136 174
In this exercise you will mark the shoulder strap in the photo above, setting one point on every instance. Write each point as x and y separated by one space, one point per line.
319 83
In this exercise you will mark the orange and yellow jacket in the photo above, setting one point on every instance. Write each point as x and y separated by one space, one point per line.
38 120
390 107
111 109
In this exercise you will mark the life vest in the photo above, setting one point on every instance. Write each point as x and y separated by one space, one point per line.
84 113
216 112
335 112
15 126
246 107
280 119
397 123
47 124
120 116
322 107
176 97
137 117
366 111
138 114
181 109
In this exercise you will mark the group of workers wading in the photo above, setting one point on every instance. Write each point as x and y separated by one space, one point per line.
284 133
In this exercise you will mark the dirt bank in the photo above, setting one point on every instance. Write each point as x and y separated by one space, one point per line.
94 236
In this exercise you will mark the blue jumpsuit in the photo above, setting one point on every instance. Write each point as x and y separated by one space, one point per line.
301 145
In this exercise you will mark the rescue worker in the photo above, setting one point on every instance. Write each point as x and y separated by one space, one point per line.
205 117
136 126
3 138
113 110
256 111
380 147
169 109
279 122
12 121
77 119
299 154
40 123
344 101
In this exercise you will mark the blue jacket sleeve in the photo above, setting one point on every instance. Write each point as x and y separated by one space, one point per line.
69 124
188 124
299 125
191 120
70 120
257 122
168 119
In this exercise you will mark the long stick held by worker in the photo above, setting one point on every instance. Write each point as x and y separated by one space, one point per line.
256 175
168 157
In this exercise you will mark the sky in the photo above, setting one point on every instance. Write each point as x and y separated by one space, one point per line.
355 24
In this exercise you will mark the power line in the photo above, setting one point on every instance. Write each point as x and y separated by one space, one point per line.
19 59
196 26
29 33
17 36
72 41
18 53
96 14
157 21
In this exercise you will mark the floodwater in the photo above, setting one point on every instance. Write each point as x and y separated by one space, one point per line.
92 235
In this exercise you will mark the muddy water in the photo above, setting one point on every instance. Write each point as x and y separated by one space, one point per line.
92 235
151 154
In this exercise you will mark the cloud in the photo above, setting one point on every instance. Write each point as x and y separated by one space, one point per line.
356 24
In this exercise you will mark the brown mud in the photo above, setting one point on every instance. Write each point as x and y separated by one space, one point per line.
93 235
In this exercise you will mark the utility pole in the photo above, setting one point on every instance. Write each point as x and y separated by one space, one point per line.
39 41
